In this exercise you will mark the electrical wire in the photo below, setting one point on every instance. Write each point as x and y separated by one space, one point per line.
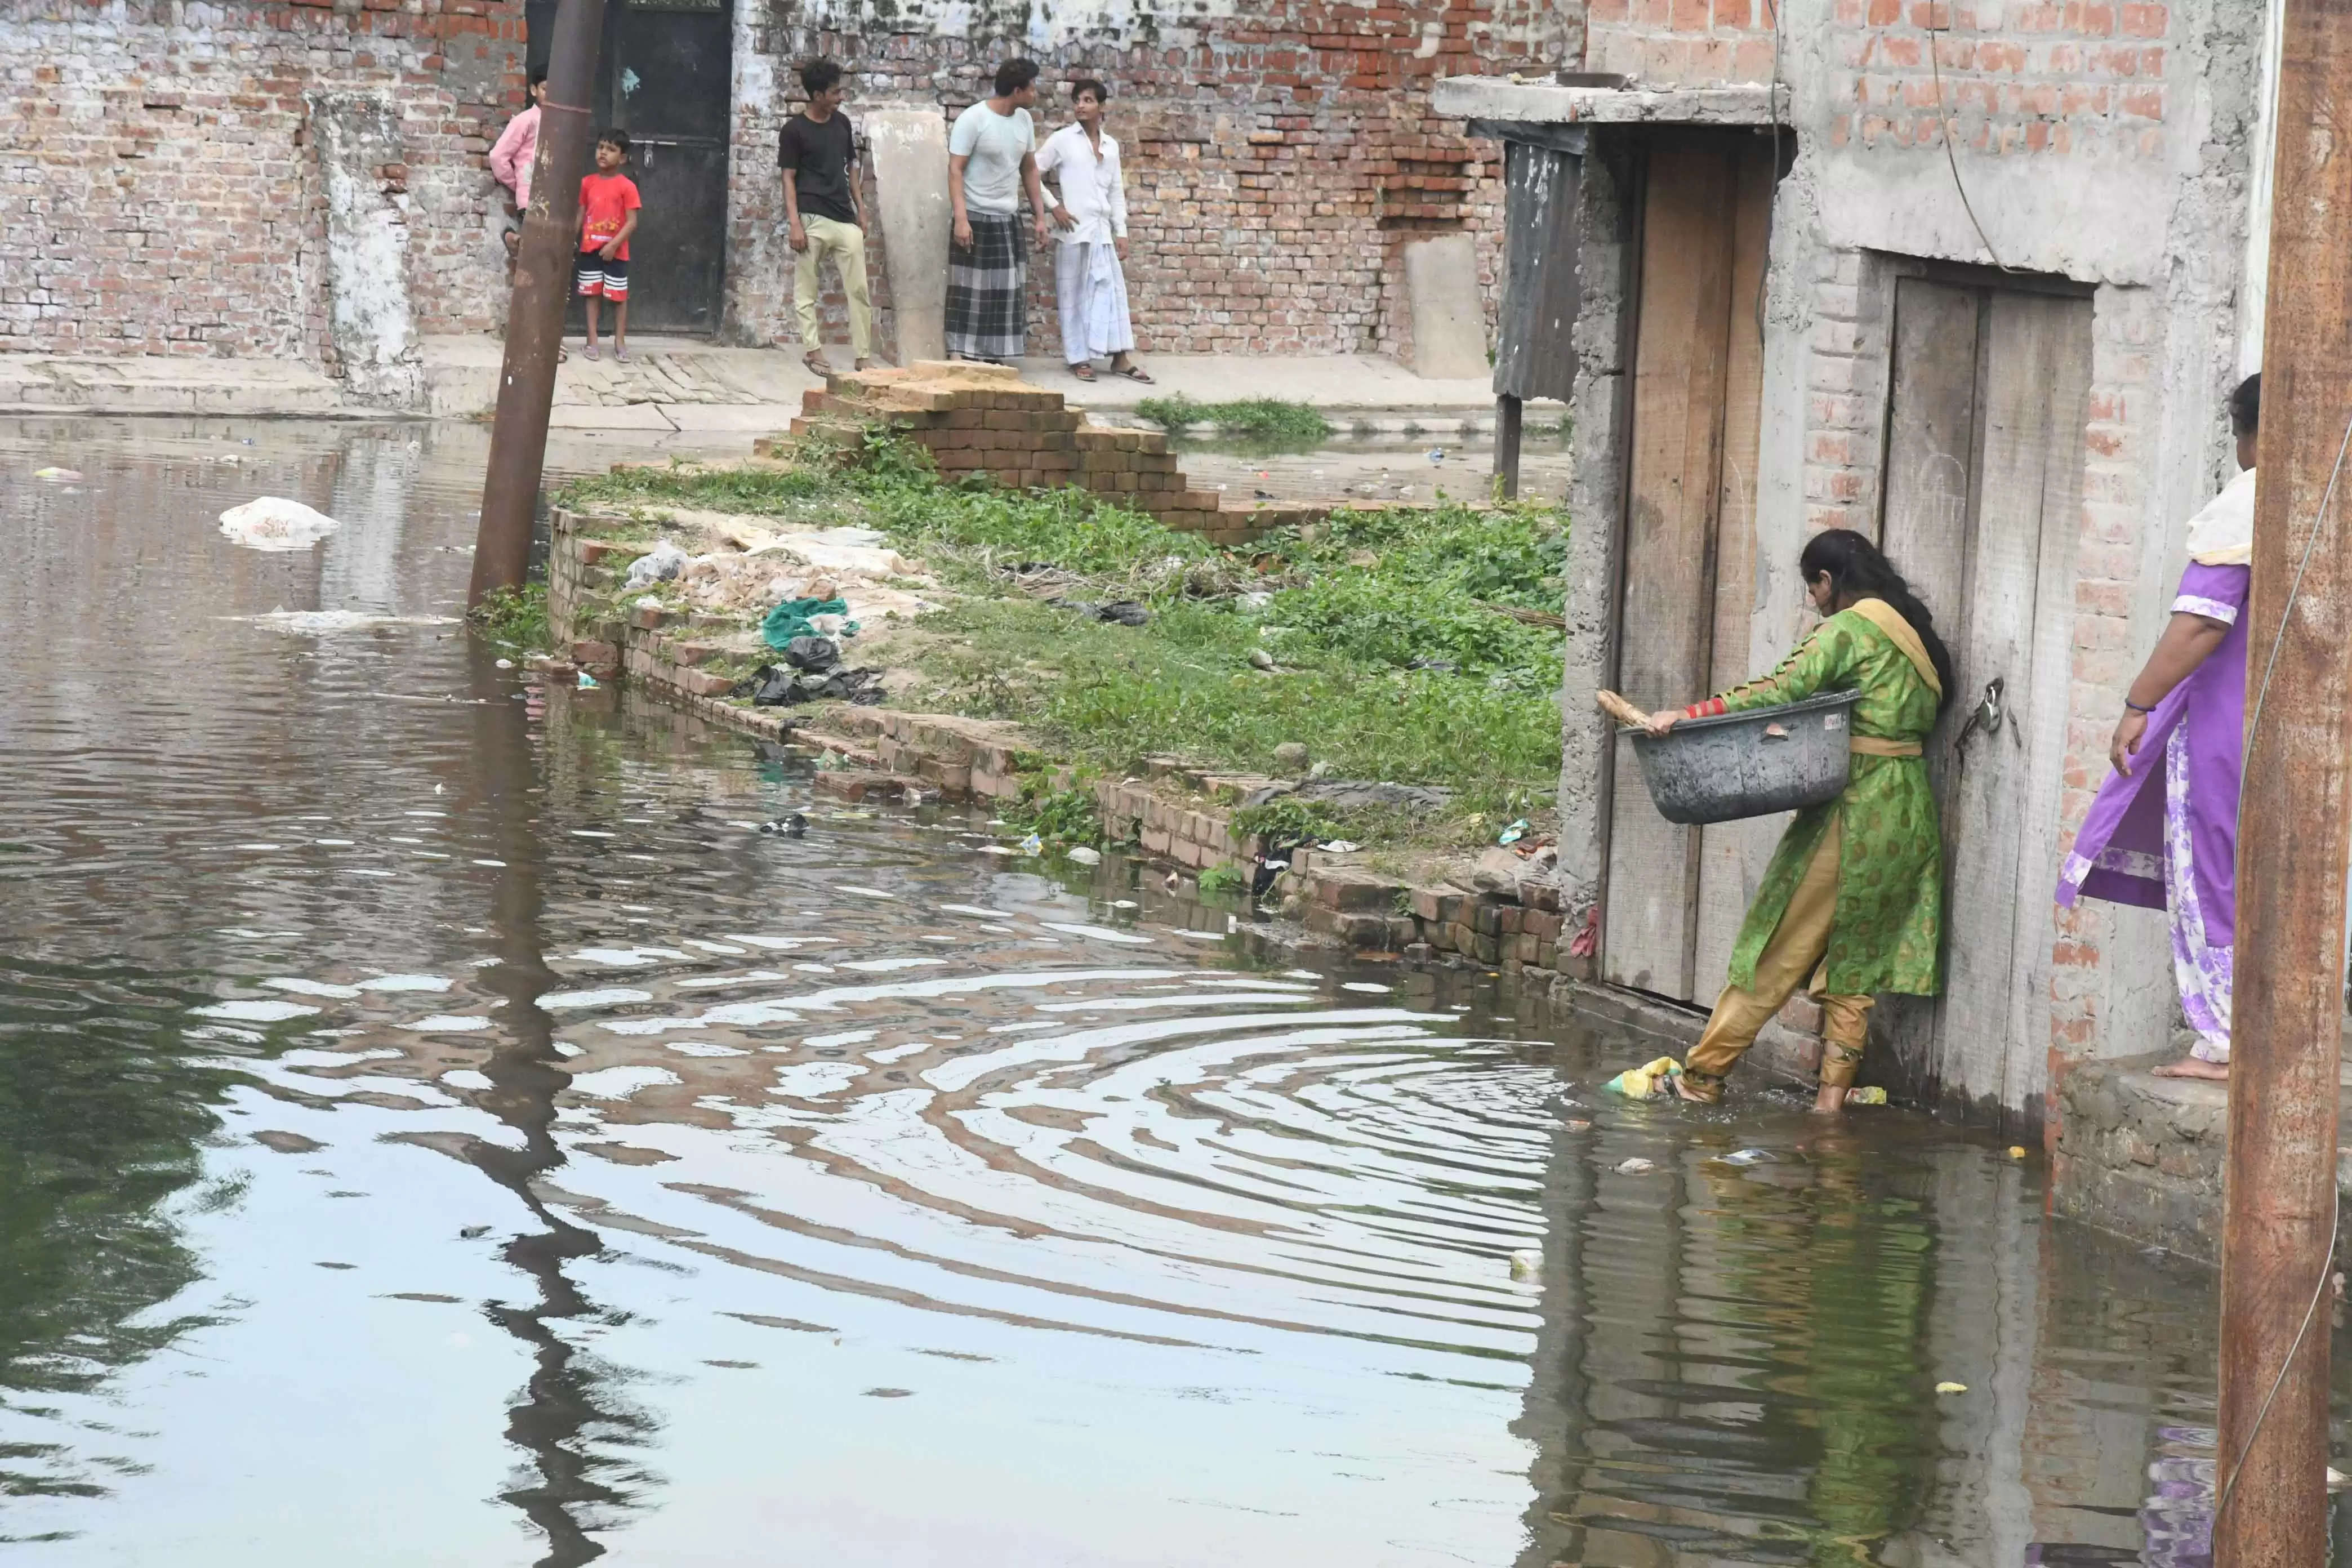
1771 198
1936 67
2335 1193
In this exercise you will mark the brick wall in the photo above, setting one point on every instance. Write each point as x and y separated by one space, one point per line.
159 187
1276 163
2077 77
2126 326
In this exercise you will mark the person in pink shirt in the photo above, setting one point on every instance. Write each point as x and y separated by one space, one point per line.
516 149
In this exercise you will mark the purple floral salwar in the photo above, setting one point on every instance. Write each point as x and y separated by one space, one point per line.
2175 847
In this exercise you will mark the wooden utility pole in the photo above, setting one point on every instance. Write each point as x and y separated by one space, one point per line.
542 288
2278 1235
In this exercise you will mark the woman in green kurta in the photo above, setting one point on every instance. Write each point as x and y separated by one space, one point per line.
1853 903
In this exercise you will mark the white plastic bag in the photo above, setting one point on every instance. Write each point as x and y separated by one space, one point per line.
273 522
661 563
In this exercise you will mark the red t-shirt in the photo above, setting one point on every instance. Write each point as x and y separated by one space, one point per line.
606 201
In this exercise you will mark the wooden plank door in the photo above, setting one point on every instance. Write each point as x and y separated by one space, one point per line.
2036 384
1690 523
1681 357
1929 506
1732 853
1987 403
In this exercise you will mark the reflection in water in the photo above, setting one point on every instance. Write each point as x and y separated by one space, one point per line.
571 1405
104 1103
561 1167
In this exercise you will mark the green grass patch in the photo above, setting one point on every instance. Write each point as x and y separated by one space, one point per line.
753 492
1056 816
515 618
1257 419
1394 655
1286 821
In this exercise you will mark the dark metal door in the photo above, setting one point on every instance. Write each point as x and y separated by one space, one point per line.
667 78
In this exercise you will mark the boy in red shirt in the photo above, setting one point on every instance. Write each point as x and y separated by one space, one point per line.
608 216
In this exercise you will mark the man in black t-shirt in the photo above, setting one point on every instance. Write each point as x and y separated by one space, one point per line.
817 153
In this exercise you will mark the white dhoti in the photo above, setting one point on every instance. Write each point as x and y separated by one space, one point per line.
1091 291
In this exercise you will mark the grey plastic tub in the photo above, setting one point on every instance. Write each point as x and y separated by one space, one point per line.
1750 764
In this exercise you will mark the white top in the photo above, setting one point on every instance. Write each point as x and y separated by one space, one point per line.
1092 186
995 144
2223 533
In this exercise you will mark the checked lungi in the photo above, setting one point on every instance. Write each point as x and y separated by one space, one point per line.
988 291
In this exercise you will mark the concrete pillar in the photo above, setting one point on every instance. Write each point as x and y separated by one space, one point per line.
368 316
1449 322
910 186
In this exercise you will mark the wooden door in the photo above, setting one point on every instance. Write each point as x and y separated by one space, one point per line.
1987 405
1689 551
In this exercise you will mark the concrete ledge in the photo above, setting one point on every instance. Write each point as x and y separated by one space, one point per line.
2142 1156
1547 103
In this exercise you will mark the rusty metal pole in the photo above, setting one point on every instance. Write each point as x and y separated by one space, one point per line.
2278 1228
542 288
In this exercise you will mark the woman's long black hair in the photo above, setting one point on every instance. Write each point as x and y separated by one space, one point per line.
1857 571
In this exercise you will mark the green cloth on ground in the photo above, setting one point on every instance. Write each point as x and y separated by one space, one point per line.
1887 935
789 619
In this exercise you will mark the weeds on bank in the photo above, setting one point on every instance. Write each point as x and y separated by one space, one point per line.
1223 881
516 617
1394 648
1263 419
1055 817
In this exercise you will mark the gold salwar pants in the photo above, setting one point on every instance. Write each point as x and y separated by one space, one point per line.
1793 957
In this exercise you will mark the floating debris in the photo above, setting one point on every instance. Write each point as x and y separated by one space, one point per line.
1649 1079
274 524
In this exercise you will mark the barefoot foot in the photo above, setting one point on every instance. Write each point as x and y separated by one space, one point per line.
2195 1068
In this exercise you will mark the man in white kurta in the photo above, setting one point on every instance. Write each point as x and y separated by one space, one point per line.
1089 284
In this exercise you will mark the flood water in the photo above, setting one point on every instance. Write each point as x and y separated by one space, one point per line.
435 1127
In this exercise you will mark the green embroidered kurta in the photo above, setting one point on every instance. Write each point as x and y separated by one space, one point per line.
1887 933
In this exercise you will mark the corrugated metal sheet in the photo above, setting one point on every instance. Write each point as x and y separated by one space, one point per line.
1533 356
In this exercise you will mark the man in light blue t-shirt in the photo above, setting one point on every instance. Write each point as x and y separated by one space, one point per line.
991 158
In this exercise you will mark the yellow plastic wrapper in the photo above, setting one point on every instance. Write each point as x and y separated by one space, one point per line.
1647 1081
1874 1095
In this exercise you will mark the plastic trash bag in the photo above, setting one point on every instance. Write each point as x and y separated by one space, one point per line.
1646 1081
660 564
812 653
273 522
789 619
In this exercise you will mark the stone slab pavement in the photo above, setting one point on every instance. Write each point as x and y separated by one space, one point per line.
690 386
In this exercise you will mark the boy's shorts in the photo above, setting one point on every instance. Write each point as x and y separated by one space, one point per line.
600 276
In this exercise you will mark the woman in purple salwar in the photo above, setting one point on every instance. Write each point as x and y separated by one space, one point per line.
2174 847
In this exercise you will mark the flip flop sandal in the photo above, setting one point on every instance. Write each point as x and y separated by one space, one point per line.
622 356
816 366
593 352
1136 372
1083 371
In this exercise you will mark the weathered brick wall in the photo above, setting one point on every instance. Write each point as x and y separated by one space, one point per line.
159 184
2077 77
1275 162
